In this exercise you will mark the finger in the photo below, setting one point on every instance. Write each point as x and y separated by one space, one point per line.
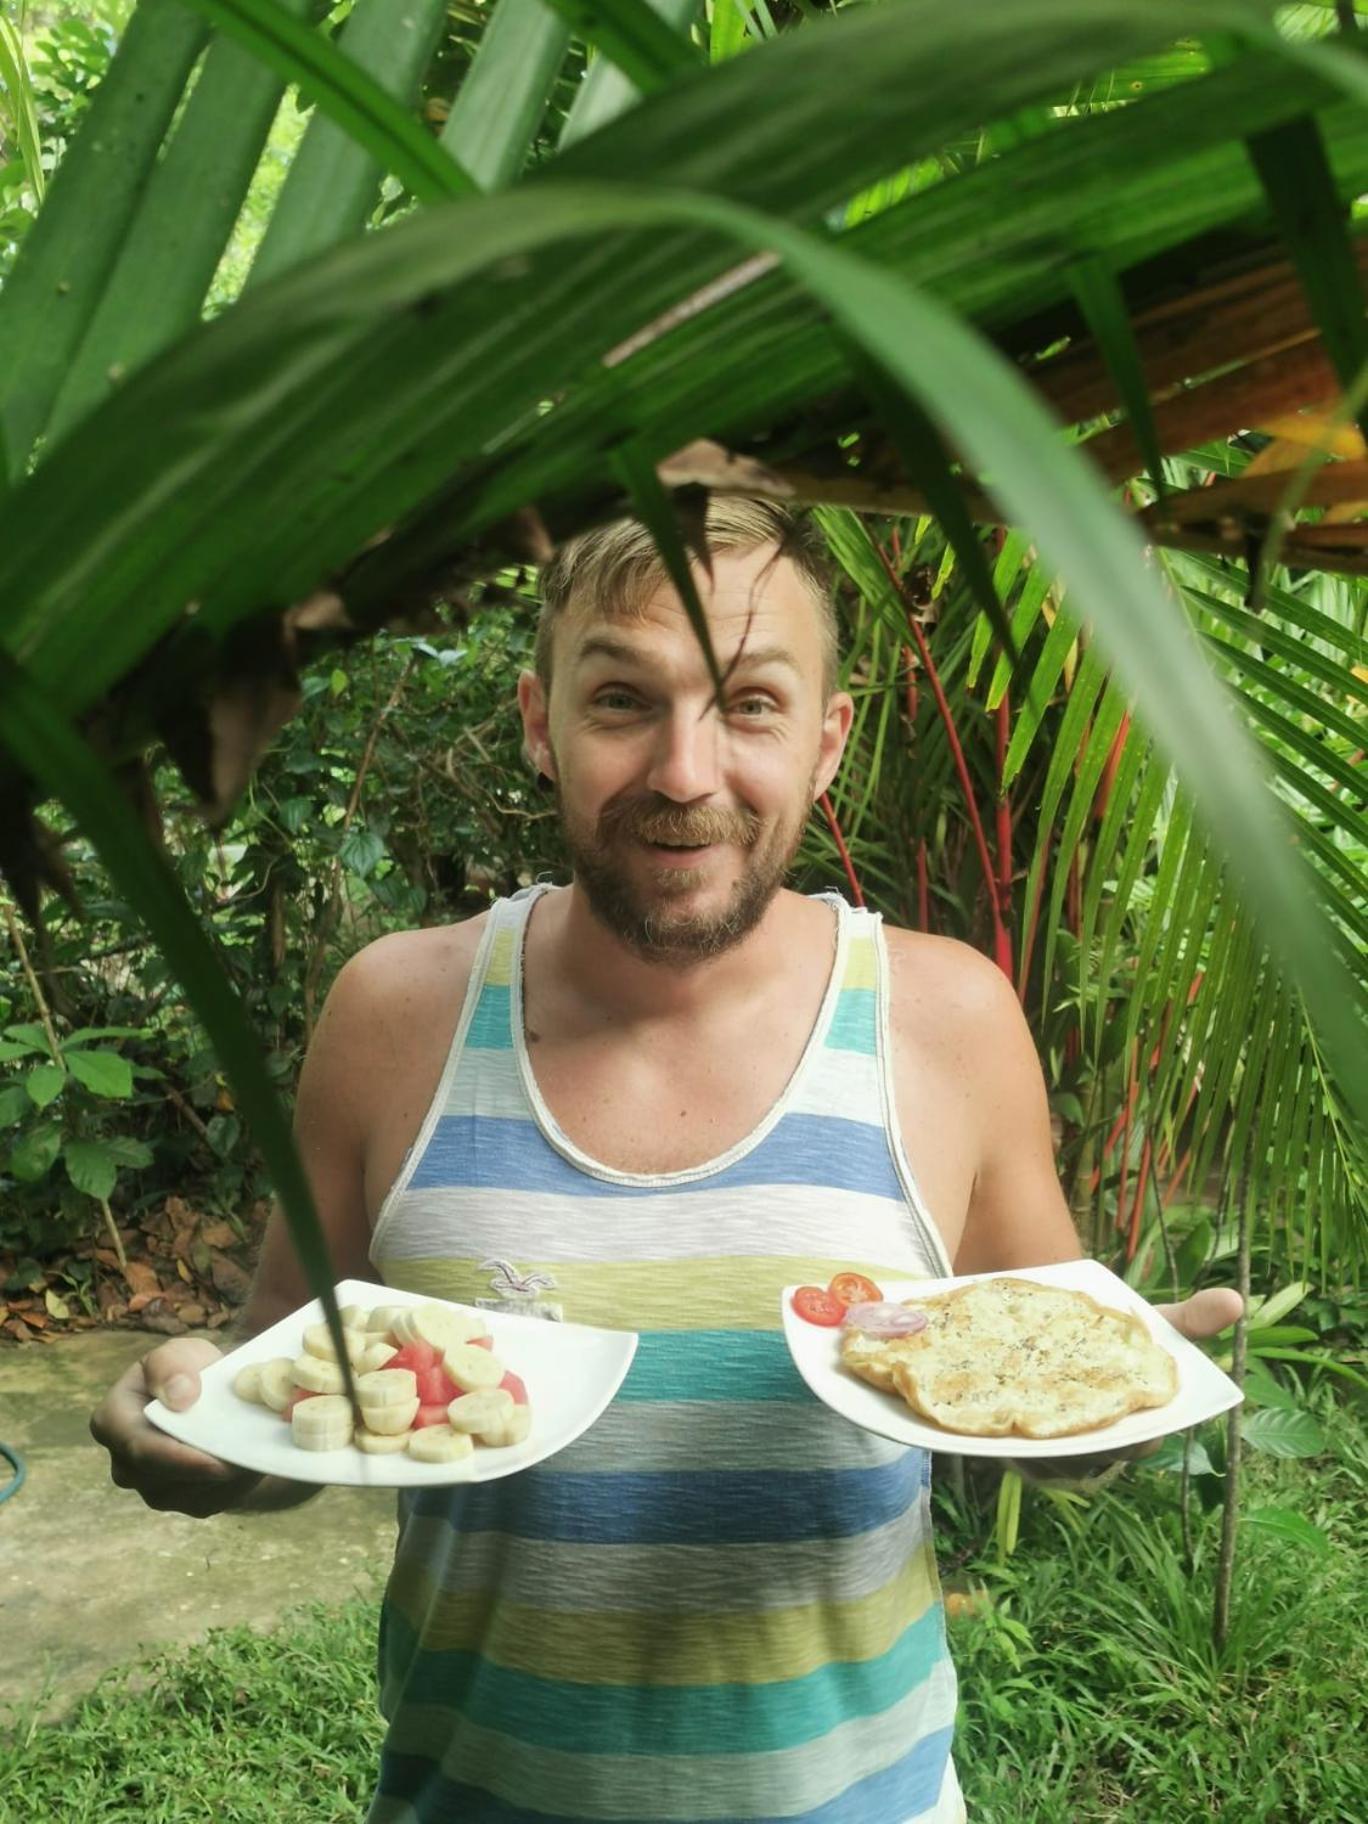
172 1372
1206 1313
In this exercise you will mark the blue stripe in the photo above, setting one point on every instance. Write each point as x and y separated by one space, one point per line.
680 1507
666 1719
682 1365
501 1153
853 1025
491 1027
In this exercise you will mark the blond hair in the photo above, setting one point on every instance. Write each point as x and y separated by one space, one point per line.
617 567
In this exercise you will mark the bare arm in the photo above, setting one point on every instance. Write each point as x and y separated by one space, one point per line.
330 1134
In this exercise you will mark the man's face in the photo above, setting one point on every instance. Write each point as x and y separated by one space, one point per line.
681 819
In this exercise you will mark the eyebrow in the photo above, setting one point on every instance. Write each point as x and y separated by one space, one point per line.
748 658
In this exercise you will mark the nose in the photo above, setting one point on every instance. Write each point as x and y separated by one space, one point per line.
684 763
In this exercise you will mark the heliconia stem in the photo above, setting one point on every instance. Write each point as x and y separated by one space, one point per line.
829 813
1000 939
923 888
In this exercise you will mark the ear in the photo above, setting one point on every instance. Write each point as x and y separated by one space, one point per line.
836 721
532 707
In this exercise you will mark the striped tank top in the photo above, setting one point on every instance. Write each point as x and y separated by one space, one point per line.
721 1602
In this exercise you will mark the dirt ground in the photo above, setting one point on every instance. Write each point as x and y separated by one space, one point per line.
90 1578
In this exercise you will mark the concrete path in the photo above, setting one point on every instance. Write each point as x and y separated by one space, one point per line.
90 1578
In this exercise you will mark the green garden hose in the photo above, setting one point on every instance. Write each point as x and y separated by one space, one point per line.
16 1481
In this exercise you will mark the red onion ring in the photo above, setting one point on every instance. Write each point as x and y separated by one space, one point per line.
884 1319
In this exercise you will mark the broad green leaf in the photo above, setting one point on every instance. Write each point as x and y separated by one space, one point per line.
29 1033
343 91
654 509
91 1167
17 89
14 1104
44 1083
19 1048
1272 1310
1103 304
59 275
1171 1451
623 71
88 1035
1286 1524
104 1073
359 850
1283 1434
494 119
124 1150
33 1153
184 218
334 178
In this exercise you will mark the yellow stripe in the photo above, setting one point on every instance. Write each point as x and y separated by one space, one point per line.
740 1292
861 970
500 971
650 1648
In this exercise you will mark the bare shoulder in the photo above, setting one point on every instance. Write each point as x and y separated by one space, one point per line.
402 969
940 987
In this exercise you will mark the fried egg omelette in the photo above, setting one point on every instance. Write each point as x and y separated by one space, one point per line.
1005 1356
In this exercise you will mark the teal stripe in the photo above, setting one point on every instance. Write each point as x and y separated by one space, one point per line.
854 1026
672 1719
681 1365
491 1027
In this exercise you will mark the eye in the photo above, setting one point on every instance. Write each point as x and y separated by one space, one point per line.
751 708
615 698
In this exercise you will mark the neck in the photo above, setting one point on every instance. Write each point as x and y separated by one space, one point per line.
595 966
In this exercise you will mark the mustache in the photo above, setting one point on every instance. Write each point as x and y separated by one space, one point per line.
655 821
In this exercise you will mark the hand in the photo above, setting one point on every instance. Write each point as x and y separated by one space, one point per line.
169 1476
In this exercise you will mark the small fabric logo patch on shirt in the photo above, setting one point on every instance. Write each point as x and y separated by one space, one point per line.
520 1294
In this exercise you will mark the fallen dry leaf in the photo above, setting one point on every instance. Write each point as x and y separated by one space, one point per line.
165 1322
18 1329
219 1235
141 1300
142 1278
229 1279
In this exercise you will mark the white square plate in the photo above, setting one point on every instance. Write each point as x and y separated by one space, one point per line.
1203 1390
571 1371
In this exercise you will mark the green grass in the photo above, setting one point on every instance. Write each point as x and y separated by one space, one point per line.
1090 1690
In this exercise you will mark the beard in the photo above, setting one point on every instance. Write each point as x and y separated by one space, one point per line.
653 922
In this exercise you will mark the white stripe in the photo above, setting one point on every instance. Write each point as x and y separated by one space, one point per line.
462 1223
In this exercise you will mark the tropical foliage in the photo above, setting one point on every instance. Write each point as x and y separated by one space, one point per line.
870 262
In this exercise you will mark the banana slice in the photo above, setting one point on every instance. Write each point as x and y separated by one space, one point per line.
276 1383
438 1325
374 1356
381 1320
513 1430
387 1387
379 1443
247 1383
354 1317
479 1413
436 1444
317 1375
322 1424
392 1419
318 1341
472 1370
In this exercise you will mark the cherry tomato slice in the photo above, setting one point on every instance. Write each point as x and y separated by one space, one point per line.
855 1289
512 1383
817 1306
430 1415
435 1388
300 1393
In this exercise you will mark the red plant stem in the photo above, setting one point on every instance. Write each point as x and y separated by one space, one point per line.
923 889
1180 1172
1131 1089
841 848
910 660
1104 790
1001 942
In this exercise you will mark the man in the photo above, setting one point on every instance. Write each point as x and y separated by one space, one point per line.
652 1099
